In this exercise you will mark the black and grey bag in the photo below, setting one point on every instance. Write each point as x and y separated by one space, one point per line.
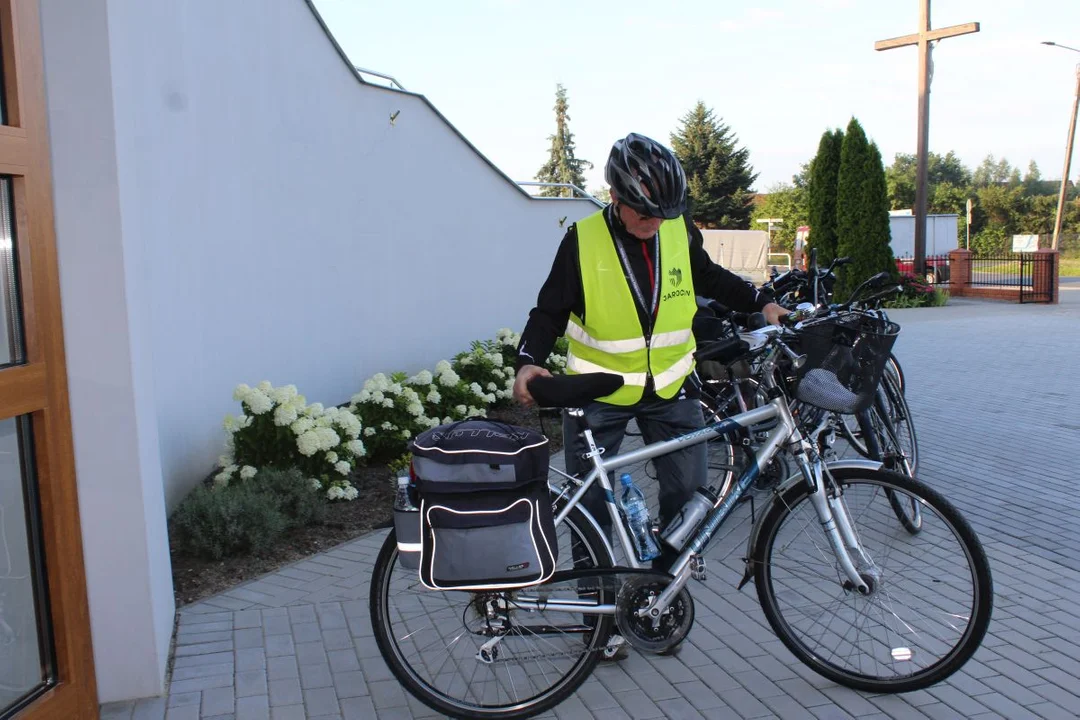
486 521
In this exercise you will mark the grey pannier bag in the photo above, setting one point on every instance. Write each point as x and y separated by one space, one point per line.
486 520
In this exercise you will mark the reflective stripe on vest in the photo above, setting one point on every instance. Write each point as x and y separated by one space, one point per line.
611 339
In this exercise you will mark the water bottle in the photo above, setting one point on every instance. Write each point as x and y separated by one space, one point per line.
637 515
403 501
689 517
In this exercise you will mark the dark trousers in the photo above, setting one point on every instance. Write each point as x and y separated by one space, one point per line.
679 473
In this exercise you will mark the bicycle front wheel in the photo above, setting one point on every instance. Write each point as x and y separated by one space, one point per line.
930 595
483 654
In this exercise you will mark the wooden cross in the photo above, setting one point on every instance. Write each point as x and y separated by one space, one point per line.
923 38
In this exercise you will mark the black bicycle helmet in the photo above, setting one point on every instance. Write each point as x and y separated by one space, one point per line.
638 164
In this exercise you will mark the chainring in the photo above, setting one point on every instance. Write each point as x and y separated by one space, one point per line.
642 631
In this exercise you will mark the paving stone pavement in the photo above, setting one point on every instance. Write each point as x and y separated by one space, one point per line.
997 410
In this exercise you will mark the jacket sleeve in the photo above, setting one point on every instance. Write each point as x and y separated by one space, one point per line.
560 295
717 283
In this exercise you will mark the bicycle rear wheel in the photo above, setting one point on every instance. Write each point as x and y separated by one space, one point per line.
479 655
931 594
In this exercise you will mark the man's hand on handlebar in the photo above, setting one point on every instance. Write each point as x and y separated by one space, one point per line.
773 313
521 383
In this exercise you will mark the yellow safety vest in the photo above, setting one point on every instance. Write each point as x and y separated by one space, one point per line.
611 338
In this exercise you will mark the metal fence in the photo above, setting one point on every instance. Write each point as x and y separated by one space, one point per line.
938 270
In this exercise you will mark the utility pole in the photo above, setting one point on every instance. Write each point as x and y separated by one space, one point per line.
922 39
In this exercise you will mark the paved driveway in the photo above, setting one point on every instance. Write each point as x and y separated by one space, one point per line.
997 404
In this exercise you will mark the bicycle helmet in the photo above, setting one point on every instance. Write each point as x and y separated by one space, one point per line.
637 165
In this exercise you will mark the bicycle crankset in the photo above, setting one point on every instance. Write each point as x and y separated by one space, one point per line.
645 633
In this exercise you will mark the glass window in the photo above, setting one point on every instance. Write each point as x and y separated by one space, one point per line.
25 645
11 337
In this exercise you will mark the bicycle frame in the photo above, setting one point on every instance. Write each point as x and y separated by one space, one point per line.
830 511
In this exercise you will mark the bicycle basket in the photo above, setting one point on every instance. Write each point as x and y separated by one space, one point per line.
845 357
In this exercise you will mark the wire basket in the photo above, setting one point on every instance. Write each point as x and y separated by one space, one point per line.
845 358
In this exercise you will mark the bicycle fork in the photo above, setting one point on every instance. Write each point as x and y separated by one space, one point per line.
836 524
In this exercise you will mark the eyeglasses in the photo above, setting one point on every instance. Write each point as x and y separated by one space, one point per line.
641 217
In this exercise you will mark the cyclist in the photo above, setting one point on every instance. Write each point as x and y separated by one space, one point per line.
623 290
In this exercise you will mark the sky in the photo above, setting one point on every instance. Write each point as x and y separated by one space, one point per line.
778 73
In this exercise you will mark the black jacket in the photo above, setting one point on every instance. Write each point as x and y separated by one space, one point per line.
562 292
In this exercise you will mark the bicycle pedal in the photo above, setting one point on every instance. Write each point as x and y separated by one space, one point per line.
698 571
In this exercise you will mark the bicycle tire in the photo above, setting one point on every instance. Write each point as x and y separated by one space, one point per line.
884 444
894 410
424 691
896 638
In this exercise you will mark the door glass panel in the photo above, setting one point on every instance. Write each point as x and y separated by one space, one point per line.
26 666
11 336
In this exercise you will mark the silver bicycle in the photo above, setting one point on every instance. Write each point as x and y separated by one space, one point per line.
853 595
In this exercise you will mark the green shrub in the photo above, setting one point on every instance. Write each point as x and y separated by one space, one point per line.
245 516
298 500
231 520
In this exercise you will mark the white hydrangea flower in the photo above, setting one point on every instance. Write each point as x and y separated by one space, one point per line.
434 397
240 392
388 403
302 425
405 434
331 457
394 389
350 424
421 378
379 381
387 425
415 409
335 493
356 447
221 480
447 420
409 395
229 423
432 422
351 493
247 472
342 467
442 367
449 379
477 412
315 410
308 444
489 398
224 460
285 415
316 484
496 359
476 389
369 431
327 438
492 386
259 402
324 421
265 386
360 397
461 409
283 394
244 421
467 360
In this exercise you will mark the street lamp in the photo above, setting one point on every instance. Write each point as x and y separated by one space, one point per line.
1068 149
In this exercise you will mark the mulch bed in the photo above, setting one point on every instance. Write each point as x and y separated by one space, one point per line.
195 579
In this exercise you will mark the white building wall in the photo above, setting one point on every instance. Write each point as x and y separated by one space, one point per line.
234 205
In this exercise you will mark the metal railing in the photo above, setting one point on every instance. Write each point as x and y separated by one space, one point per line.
938 270
575 191
384 76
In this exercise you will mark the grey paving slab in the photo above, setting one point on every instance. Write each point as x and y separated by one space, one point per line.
998 420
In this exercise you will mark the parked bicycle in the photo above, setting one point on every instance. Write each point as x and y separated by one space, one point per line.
854 599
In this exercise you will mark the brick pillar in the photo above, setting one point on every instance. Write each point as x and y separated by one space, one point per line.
1045 279
959 272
